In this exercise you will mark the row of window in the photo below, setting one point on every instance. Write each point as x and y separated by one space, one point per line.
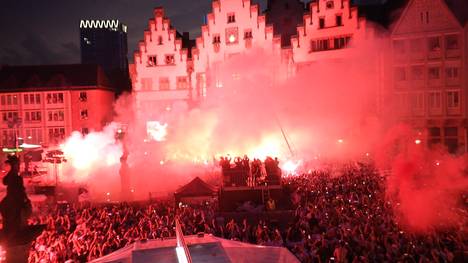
434 100
153 60
34 135
182 82
232 36
433 73
433 44
329 43
35 116
338 21
33 99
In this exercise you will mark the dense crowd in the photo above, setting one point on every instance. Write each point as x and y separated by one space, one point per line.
344 218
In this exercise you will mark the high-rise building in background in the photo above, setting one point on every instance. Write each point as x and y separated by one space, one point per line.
104 42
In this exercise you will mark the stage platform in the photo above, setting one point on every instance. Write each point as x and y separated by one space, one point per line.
231 198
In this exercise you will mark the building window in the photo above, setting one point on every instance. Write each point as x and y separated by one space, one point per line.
152 61
321 22
399 46
232 35
330 4
453 99
54 98
182 83
84 131
417 101
216 39
15 100
341 42
3 101
170 60
417 72
339 20
434 44
84 114
231 18
416 45
160 40
452 72
83 96
400 74
32 116
434 73
320 45
146 83
56 134
164 83
434 100
56 115
451 42
26 98
38 98
248 34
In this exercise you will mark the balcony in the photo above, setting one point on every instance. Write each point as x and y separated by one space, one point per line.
452 53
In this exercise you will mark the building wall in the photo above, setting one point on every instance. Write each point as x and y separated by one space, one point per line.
48 117
233 27
162 71
428 72
323 36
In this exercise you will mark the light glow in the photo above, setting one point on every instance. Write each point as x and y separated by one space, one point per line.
156 131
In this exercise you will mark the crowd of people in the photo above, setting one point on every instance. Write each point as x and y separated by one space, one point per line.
240 171
337 218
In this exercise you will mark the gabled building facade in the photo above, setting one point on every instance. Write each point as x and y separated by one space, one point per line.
429 72
233 27
328 29
162 72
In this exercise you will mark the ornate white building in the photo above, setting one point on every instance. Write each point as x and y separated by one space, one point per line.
162 71
328 29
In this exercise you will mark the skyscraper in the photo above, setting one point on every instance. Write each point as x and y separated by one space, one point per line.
104 42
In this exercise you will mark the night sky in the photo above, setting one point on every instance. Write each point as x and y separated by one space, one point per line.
47 31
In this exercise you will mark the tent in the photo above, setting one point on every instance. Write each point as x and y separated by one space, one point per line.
206 248
196 191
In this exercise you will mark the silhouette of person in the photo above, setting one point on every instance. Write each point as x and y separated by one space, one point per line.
15 207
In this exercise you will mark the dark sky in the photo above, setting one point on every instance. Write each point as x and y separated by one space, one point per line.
47 31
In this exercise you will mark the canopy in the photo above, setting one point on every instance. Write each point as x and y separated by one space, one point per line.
197 187
205 248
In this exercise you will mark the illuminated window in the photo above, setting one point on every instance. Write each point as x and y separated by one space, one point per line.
152 61
231 18
232 35
164 83
434 73
84 114
451 42
434 44
83 96
169 59
453 99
